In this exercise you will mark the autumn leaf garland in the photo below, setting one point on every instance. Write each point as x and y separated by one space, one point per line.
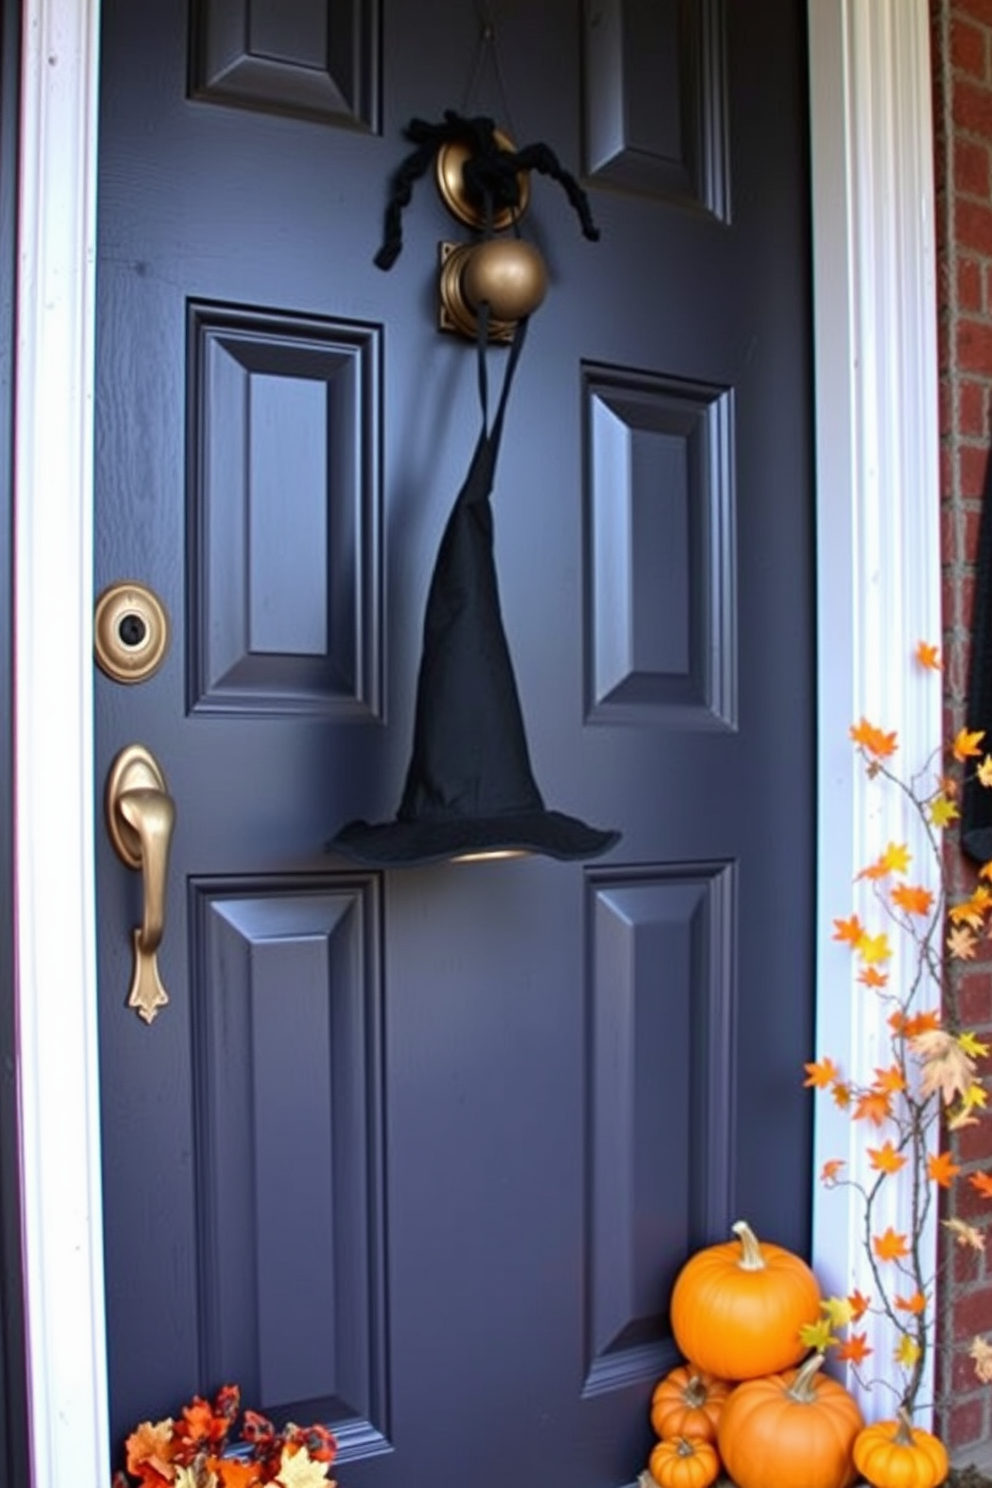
190 1452
932 1084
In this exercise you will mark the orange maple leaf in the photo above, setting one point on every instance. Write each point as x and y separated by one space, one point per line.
982 1183
972 911
854 1348
886 1159
916 1303
873 740
928 656
842 1095
942 1169
906 1027
870 976
986 870
831 1170
873 1105
859 1305
890 1246
850 930
821 1074
890 1079
913 900
966 743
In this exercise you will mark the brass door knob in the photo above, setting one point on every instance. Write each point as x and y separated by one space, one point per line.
140 818
507 273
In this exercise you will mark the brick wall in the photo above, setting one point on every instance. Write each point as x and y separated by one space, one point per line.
961 32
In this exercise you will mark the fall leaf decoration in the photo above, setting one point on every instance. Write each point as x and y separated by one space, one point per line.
190 1452
932 1085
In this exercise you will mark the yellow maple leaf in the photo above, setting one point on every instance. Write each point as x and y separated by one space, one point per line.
983 773
298 1470
890 1246
897 857
822 1074
966 742
981 1352
837 1310
908 1352
965 1234
944 1064
873 740
817 1335
942 1169
874 948
962 943
942 811
973 1046
886 1159
928 656
972 911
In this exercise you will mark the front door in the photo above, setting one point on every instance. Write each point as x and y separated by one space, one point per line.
417 1152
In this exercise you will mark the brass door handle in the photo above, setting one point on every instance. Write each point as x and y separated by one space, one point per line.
140 818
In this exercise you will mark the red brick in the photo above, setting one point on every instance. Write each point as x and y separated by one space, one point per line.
973 409
971 168
971 286
972 460
974 993
971 519
971 107
968 47
946 460
972 1313
979 10
973 223
964 1423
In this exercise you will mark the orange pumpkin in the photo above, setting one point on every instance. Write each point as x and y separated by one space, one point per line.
737 1308
688 1402
897 1454
684 1463
792 1430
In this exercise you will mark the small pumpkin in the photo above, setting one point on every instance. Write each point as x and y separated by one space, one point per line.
684 1463
897 1454
737 1307
688 1402
791 1430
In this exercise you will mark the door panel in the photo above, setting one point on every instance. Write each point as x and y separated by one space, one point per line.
419 1153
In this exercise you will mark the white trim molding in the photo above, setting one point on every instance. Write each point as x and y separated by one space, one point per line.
878 585
877 534
53 780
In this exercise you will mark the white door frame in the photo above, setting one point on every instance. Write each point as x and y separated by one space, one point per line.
878 567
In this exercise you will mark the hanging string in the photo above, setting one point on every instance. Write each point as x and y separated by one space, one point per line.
487 51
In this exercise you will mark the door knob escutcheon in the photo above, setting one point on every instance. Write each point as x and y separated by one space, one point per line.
140 818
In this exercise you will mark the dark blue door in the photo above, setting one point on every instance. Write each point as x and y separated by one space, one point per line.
419 1152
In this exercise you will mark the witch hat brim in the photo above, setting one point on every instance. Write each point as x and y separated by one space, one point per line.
470 790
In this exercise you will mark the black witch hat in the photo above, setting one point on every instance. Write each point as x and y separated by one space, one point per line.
470 791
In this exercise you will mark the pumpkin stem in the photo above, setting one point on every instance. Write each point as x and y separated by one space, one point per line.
694 1393
751 1257
904 1430
802 1388
685 1447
